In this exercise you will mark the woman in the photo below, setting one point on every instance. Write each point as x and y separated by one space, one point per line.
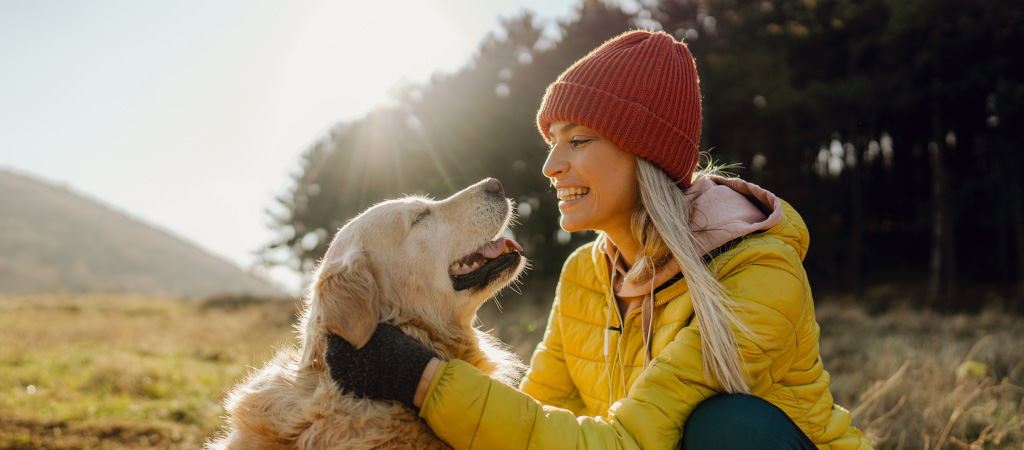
688 322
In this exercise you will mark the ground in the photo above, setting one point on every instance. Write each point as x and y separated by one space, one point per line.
113 372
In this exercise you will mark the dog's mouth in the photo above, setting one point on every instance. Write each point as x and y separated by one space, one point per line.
484 264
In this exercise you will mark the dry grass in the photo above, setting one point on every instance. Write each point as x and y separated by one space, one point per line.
920 380
124 372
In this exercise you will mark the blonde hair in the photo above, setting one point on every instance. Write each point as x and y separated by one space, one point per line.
661 225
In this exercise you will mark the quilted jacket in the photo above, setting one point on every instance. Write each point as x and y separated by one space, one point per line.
576 396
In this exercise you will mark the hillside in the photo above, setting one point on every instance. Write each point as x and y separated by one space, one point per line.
53 240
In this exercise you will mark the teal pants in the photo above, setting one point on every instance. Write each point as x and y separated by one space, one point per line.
741 422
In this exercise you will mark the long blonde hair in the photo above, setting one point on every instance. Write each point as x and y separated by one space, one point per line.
661 226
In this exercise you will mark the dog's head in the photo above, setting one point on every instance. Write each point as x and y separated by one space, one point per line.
412 259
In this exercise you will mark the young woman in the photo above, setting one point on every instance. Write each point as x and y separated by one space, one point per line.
688 323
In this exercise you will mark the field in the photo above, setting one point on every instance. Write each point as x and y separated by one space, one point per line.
128 372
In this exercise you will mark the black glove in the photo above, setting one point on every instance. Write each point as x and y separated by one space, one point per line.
388 367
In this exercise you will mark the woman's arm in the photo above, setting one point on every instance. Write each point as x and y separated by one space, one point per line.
421 389
548 379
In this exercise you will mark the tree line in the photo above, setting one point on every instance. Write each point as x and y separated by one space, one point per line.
892 126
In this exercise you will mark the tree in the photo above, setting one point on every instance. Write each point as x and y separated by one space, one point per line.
889 124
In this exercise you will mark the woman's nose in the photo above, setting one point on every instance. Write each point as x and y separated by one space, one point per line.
555 165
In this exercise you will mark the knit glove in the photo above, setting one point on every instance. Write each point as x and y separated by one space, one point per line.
388 367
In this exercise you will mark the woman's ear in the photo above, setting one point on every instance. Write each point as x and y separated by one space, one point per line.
345 298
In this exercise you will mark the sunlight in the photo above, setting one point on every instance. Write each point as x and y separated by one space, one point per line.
356 44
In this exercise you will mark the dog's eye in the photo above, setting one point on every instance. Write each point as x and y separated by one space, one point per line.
422 215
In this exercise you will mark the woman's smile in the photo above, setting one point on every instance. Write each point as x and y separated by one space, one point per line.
571 195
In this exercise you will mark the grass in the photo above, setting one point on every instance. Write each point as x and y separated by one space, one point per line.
124 372
108 372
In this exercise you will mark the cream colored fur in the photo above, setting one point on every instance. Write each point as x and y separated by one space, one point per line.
389 264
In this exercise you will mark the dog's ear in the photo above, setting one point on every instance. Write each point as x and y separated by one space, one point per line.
346 296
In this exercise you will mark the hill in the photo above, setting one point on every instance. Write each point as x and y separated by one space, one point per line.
53 240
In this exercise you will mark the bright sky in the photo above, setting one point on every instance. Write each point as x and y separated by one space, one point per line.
190 114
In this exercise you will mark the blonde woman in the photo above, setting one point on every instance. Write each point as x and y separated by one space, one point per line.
688 323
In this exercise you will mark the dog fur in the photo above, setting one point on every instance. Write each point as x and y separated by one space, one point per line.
389 264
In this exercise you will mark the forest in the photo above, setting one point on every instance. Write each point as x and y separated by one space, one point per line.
892 126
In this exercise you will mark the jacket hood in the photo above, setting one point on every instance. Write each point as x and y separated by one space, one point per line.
721 214
725 209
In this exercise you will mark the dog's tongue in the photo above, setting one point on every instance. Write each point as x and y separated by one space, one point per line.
495 248
490 250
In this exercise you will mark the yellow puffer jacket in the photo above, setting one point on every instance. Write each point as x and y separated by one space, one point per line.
580 399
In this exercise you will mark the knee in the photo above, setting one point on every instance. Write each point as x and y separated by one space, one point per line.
737 421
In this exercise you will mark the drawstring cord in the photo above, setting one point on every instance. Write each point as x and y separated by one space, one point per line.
646 320
607 324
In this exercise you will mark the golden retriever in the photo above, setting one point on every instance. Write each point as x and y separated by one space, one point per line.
424 266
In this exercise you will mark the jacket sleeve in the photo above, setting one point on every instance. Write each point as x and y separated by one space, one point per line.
469 410
548 379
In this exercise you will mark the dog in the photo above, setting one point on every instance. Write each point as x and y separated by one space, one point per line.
423 266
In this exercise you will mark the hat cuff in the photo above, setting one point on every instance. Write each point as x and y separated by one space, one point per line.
630 125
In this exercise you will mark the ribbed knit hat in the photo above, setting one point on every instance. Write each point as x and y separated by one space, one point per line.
640 90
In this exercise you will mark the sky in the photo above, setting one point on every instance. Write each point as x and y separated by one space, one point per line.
190 115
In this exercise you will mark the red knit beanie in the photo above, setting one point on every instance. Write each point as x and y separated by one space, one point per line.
640 90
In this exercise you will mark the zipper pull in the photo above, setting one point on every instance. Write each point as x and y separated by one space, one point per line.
607 337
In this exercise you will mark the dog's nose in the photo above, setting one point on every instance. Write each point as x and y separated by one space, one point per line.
493 186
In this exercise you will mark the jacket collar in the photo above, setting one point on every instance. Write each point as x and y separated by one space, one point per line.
632 288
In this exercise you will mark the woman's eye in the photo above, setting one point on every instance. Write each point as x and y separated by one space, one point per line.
577 143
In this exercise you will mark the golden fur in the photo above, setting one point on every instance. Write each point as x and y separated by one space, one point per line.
389 264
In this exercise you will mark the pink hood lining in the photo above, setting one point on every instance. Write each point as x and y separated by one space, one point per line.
723 210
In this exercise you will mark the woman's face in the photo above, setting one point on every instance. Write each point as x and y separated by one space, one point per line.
595 179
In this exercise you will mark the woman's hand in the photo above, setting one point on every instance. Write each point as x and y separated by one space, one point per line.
391 366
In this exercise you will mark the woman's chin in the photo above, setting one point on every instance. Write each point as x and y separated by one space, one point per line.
570 225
